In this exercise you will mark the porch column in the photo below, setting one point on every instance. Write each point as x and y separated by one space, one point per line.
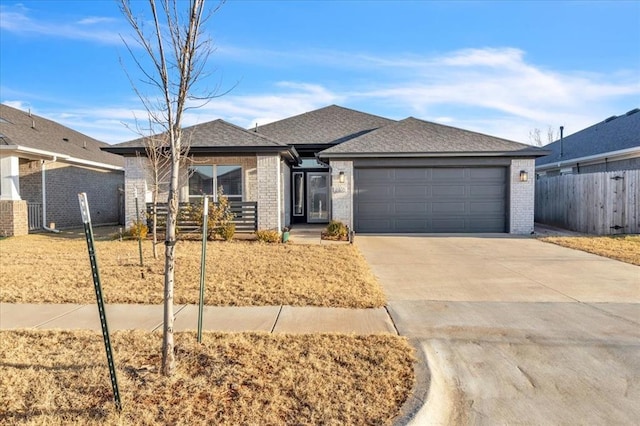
10 178
269 192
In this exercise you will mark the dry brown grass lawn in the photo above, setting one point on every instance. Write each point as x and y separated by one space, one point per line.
58 377
46 269
625 248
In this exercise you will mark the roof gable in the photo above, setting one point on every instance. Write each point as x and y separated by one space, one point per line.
26 130
415 136
612 134
216 133
329 125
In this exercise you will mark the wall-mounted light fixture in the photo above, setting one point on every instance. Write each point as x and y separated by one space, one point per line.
524 176
341 177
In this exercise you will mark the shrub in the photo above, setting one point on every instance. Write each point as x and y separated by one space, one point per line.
336 229
220 216
138 229
227 231
268 236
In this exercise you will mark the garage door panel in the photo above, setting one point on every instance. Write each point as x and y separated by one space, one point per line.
448 174
465 199
411 174
448 191
439 208
480 208
487 191
411 191
490 173
410 209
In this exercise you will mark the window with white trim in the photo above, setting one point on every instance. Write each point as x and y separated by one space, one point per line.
204 180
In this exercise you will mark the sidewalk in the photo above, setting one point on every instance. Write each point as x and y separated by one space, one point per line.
269 319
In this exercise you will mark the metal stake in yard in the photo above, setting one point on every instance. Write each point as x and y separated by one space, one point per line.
203 256
138 225
88 232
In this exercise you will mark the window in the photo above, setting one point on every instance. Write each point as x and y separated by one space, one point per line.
204 180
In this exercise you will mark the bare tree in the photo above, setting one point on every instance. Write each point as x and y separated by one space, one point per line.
158 172
177 52
535 136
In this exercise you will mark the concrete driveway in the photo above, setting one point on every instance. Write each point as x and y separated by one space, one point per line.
515 331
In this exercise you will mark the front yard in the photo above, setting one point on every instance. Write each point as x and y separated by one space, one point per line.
49 269
59 377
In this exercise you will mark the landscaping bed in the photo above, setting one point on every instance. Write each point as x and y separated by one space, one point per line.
47 269
60 377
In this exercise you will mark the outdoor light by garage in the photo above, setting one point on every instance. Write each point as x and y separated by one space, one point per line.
341 177
524 176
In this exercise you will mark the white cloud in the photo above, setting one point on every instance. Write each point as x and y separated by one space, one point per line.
17 20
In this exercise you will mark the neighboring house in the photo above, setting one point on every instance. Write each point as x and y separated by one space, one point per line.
43 167
611 145
372 173
590 182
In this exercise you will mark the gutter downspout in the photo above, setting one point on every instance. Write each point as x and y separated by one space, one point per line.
44 199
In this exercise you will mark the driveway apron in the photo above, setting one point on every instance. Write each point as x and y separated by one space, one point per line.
514 330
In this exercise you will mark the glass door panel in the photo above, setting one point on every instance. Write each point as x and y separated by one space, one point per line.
318 197
298 194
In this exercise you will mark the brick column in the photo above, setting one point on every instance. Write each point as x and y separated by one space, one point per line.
14 220
522 197
342 193
134 179
269 192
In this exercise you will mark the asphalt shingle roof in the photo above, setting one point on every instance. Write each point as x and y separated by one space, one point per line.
31 131
415 136
216 133
329 125
612 134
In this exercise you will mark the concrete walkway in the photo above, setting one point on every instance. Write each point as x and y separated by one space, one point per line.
514 330
269 319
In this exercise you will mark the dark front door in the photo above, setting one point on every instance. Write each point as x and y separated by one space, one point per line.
310 196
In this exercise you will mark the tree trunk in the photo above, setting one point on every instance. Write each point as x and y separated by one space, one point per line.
168 355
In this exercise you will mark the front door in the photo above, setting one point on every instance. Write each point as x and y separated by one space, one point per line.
318 197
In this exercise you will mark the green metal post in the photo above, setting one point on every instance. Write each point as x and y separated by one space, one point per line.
203 258
88 232
138 225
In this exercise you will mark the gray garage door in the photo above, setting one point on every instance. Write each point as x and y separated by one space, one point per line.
471 199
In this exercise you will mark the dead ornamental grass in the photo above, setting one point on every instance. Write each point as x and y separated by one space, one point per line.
60 377
625 248
45 269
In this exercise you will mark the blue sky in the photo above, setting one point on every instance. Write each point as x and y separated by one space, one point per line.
501 67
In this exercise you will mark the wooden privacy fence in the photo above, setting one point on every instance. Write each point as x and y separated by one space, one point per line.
593 203
245 216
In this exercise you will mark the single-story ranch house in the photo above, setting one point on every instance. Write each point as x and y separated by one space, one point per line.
43 167
374 174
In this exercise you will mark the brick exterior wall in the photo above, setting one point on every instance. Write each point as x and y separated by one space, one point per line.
31 181
13 218
63 183
342 193
137 171
269 192
521 197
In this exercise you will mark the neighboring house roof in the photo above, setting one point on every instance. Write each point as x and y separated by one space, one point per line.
31 136
615 134
213 137
329 125
414 137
